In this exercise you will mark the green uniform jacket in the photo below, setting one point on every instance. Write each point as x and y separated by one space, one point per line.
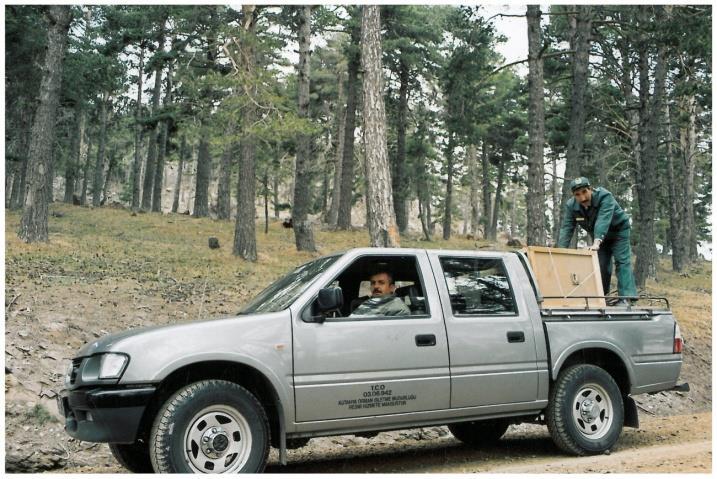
603 218
382 306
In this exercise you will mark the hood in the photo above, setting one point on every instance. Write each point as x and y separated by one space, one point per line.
118 342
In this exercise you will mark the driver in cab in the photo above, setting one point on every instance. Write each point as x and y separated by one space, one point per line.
383 301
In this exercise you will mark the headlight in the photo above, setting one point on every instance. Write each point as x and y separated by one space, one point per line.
68 372
112 365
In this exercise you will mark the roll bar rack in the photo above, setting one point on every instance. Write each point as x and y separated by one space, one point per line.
609 300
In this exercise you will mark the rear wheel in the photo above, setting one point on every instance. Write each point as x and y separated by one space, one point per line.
210 427
133 457
479 433
585 413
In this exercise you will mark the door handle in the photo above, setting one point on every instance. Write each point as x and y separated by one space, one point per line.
425 340
516 337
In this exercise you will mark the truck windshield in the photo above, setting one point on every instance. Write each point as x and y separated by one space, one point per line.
280 294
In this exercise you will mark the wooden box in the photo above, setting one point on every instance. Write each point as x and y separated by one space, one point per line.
566 273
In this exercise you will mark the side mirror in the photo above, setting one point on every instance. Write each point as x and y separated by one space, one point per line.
328 301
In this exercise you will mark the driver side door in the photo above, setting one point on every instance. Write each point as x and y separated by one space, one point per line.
348 367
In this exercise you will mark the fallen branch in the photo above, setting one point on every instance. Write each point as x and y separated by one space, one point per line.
646 410
12 301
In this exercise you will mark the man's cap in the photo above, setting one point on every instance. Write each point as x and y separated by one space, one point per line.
578 183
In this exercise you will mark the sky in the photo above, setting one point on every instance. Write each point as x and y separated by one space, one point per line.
515 30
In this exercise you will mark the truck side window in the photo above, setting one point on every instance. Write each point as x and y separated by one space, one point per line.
478 286
360 302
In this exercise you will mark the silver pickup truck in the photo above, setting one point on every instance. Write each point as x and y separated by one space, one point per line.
469 347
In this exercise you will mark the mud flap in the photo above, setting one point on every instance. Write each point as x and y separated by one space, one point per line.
631 418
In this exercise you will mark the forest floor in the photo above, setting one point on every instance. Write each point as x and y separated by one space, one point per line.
105 271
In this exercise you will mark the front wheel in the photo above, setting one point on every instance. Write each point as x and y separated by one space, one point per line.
210 426
585 414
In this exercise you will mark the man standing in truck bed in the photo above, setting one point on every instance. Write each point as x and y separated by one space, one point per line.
597 212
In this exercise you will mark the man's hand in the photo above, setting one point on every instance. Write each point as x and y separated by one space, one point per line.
596 245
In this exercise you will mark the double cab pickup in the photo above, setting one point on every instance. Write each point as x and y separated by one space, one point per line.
371 340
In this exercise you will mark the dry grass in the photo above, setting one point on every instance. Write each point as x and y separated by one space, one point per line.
166 254
164 251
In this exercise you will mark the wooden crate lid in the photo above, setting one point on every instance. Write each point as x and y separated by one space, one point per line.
569 273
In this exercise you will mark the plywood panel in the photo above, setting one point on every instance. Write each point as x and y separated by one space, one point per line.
567 273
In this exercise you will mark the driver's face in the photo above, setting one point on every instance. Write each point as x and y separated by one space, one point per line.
381 285
583 196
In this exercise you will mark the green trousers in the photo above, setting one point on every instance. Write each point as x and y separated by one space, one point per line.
617 246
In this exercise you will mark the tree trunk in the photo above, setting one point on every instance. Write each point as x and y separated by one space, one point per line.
497 200
17 195
580 44
535 197
448 205
14 183
50 178
302 186
399 177
472 158
485 176
225 175
266 200
153 143
71 162
688 147
245 225
275 180
110 167
343 221
332 217
33 226
379 200
424 205
321 157
100 161
76 161
137 165
514 212
423 190
557 206
85 173
647 185
158 182
677 244
180 168
204 167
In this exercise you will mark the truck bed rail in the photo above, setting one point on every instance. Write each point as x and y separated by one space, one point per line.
631 308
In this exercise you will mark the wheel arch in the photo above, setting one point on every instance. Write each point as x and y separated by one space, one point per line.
245 375
602 355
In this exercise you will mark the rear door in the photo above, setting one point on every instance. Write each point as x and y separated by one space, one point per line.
352 367
492 353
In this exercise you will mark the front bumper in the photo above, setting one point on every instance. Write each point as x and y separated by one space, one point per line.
104 415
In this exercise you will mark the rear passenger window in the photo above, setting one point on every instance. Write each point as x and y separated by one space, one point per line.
478 286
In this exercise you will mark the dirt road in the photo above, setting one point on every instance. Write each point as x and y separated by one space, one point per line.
661 445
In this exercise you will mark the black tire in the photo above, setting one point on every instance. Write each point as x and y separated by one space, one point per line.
479 433
205 415
585 413
133 457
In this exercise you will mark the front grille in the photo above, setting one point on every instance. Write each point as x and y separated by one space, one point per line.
76 363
